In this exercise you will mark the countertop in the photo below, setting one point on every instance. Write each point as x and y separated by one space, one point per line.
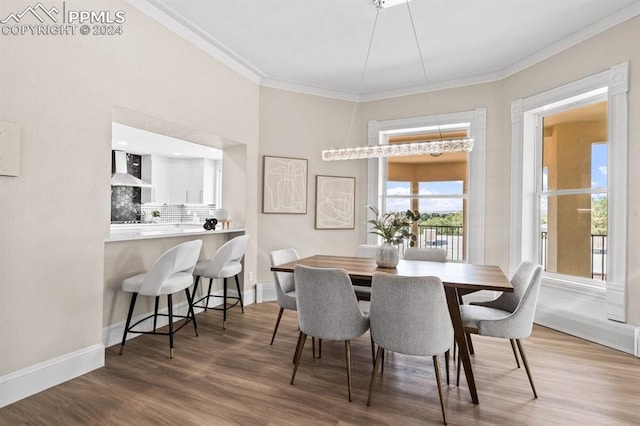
139 231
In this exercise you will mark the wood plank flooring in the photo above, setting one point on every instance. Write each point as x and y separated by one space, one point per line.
236 377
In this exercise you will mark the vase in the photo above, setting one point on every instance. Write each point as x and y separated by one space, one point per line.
387 256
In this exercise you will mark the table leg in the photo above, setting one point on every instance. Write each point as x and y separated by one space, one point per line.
458 328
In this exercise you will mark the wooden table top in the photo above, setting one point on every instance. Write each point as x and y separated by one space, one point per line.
463 276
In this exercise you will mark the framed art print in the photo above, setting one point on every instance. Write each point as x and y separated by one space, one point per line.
335 202
284 185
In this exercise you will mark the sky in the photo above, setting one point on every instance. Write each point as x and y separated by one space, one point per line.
430 205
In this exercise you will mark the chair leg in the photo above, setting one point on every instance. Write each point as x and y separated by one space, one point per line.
275 330
436 366
446 361
239 294
301 339
224 305
313 346
470 344
458 371
191 312
526 367
382 367
170 305
155 313
373 351
134 296
347 350
206 305
455 344
379 355
513 348
319 348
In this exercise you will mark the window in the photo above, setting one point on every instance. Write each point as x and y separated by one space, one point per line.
573 194
576 195
448 190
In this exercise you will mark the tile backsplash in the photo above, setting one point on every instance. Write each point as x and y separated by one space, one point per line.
125 203
170 213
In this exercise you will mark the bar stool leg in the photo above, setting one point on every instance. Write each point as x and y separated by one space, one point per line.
239 294
134 296
206 305
191 312
224 306
195 288
155 314
170 305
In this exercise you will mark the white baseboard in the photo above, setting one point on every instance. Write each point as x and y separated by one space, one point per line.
112 335
266 292
36 378
584 317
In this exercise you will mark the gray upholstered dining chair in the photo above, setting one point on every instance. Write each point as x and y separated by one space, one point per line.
284 283
422 327
328 310
431 255
510 316
225 263
170 274
425 254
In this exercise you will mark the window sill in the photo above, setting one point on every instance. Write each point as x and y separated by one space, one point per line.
581 310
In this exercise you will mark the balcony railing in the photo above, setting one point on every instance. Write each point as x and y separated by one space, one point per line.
598 255
450 238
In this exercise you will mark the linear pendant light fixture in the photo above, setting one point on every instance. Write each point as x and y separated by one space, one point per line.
434 148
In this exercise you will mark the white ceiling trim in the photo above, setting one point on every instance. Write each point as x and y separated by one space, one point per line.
310 90
197 37
219 51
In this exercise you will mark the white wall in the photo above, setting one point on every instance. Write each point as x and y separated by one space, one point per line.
55 215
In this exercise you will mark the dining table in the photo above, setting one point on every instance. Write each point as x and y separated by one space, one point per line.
458 279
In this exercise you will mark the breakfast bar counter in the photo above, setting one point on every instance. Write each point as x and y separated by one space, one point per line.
137 231
133 248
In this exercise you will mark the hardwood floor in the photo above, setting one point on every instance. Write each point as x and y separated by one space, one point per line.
236 377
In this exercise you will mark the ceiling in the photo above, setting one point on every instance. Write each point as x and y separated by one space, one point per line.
142 142
320 46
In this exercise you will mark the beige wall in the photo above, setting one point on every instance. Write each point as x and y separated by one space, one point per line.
300 126
55 215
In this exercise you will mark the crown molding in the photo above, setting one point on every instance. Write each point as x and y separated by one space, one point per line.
310 90
168 17
194 35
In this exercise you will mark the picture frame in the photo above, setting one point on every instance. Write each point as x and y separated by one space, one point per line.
335 202
284 185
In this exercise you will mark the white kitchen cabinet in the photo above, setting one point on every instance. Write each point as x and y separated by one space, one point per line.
202 174
155 170
179 181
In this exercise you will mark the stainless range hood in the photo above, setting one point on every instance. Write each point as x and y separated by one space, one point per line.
121 177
